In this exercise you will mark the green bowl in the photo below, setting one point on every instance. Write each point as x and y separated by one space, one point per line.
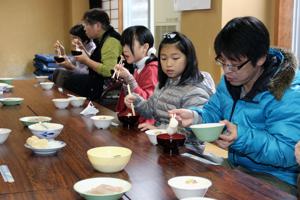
6 80
11 101
83 187
27 121
207 132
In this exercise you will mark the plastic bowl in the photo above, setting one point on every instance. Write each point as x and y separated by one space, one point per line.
189 186
128 121
207 132
46 130
86 186
77 101
29 120
47 85
61 103
4 133
152 134
170 145
109 159
102 121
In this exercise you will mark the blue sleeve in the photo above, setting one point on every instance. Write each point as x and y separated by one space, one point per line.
273 145
213 110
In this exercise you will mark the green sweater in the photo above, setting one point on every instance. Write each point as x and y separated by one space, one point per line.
110 52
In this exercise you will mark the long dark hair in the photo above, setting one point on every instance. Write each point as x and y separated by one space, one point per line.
140 33
95 15
191 73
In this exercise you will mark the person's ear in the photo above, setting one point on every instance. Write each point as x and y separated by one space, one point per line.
146 47
261 61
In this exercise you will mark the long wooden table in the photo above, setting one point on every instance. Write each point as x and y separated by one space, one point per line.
149 169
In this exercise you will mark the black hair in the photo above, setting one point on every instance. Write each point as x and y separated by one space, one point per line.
95 15
78 30
191 73
140 33
243 37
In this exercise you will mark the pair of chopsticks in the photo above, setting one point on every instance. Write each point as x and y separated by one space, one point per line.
6 174
132 107
118 71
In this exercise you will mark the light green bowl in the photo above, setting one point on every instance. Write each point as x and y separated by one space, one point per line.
11 101
6 80
84 186
207 132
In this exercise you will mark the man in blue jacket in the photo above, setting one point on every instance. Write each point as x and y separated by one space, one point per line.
258 99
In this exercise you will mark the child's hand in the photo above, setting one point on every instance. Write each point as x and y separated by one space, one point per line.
184 116
122 72
129 99
297 152
146 126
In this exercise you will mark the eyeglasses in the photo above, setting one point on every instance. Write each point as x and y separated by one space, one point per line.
230 67
169 36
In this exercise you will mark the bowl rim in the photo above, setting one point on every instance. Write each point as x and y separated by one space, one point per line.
60 126
107 117
6 78
75 186
6 131
170 182
46 83
128 151
77 98
11 99
61 100
207 125
25 119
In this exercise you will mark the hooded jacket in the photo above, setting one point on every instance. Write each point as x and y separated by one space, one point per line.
267 118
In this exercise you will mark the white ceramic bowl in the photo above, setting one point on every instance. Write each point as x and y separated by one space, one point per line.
47 85
77 101
197 198
34 119
61 103
153 133
189 186
4 133
84 188
46 130
102 121
6 80
41 78
109 159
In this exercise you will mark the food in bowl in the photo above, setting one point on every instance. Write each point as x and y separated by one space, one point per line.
47 85
208 132
109 159
46 130
34 119
170 143
102 188
189 186
36 142
152 134
77 101
61 103
102 121
4 133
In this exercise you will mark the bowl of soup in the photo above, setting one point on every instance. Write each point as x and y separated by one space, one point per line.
189 186
109 159
102 121
102 188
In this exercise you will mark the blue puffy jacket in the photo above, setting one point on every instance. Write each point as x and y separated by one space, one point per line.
267 118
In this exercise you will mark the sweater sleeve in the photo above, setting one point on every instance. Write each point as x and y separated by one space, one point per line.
145 88
146 107
110 52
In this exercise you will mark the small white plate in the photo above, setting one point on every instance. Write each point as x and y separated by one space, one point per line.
53 147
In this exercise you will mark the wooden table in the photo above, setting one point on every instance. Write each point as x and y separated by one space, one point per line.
149 169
